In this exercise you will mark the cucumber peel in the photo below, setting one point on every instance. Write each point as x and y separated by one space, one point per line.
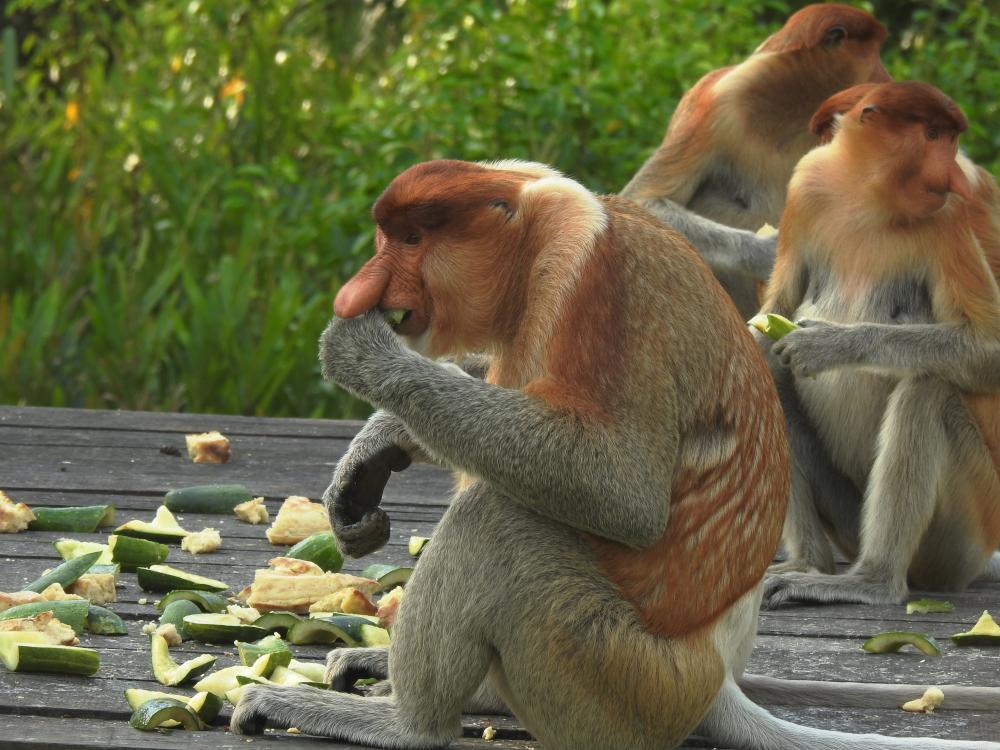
278 622
221 628
71 612
163 528
32 652
210 498
924 606
71 548
101 621
133 552
175 612
206 600
84 519
887 643
320 549
387 575
65 574
166 578
167 671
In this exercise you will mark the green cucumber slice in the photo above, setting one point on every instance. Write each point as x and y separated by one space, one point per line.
23 654
164 528
315 671
984 633
320 549
387 575
224 680
157 711
286 676
71 548
84 519
206 705
278 622
345 628
132 552
101 621
251 652
210 498
71 612
208 601
175 612
771 325
221 628
924 606
65 574
167 671
416 544
373 635
165 578
886 643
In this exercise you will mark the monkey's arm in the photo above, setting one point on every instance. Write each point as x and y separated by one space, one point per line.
381 447
950 351
723 248
584 475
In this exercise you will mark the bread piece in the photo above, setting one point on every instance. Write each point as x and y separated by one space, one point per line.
14 517
208 448
298 519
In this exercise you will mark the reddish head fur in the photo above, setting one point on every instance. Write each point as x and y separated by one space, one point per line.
812 26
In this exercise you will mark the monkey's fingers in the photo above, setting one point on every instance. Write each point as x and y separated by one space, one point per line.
345 666
363 537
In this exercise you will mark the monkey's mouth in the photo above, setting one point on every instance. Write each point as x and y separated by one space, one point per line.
396 317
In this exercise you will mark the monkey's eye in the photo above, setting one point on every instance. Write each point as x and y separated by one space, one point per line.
932 134
835 35
412 239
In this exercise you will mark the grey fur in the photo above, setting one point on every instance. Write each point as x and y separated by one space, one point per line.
739 258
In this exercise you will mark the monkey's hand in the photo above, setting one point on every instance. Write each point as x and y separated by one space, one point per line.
381 447
816 347
853 587
345 666
362 354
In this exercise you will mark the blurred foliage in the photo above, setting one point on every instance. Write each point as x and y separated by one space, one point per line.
184 186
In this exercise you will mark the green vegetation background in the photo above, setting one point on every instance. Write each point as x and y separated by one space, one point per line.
185 185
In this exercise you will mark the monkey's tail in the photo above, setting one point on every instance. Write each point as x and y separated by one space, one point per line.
738 722
772 691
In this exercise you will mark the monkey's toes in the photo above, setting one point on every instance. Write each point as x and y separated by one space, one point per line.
249 716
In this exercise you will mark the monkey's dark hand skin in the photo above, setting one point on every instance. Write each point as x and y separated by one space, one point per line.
354 495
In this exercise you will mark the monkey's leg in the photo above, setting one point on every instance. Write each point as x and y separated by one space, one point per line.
822 500
992 570
909 480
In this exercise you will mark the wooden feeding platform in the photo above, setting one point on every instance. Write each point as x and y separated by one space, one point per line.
70 457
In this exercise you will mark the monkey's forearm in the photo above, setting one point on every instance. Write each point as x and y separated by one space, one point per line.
949 351
723 248
548 460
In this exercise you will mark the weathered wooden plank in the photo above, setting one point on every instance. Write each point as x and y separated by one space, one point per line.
78 733
182 424
104 470
952 725
841 659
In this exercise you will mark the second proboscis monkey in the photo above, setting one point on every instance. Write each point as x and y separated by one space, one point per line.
888 252
737 134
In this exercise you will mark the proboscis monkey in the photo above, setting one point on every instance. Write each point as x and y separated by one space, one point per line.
737 134
888 250
623 474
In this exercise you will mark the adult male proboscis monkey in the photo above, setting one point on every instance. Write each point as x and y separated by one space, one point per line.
737 134
888 251
624 472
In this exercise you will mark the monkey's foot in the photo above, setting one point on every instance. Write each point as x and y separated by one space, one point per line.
344 666
850 588
792 565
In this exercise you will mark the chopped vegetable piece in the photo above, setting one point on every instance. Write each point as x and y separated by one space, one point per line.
320 549
166 578
24 652
984 633
210 498
220 628
886 643
81 519
65 574
169 672
924 606
206 600
772 326
387 575
417 544
157 711
163 529
71 612
101 621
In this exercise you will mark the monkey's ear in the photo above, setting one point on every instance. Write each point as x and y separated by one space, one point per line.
501 204
824 119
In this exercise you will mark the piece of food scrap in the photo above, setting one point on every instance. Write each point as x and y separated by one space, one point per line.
388 606
295 585
98 587
246 615
55 593
200 542
252 511
298 519
208 448
349 600
19 597
926 703
44 622
14 517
